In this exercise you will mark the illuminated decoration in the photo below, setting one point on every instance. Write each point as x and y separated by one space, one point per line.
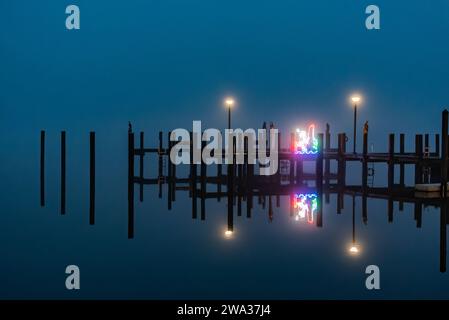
305 207
305 142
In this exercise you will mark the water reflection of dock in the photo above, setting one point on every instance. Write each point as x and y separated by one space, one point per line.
241 187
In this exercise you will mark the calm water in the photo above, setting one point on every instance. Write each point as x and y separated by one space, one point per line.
174 256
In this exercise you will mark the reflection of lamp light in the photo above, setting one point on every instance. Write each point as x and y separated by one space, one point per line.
354 249
228 234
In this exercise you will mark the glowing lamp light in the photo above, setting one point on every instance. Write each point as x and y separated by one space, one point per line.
305 142
355 98
229 102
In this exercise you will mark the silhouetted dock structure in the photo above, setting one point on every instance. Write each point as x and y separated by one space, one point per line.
241 184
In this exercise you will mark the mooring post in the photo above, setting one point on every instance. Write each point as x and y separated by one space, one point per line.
278 151
169 174
327 165
340 200
437 145
365 208
161 164
141 167
365 161
401 165
130 185
419 157
42 164
193 172
63 171
249 186
391 161
239 189
418 213
444 152
203 183
390 209
341 159
319 177
230 192
173 172
219 175
443 235
92 179
319 164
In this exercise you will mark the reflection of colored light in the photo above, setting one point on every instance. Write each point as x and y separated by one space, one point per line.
305 206
305 142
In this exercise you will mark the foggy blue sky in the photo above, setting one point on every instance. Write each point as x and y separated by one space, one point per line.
162 64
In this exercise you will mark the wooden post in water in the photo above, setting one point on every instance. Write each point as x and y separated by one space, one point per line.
63 171
402 166
443 235
249 186
92 179
230 192
169 174
341 159
365 161
444 152
327 164
203 183
42 171
173 172
418 214
391 161
319 180
193 172
390 209
141 167
364 208
130 185
419 156
161 164
319 165
437 145
219 175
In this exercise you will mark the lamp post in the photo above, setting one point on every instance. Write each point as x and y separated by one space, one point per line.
229 102
355 99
